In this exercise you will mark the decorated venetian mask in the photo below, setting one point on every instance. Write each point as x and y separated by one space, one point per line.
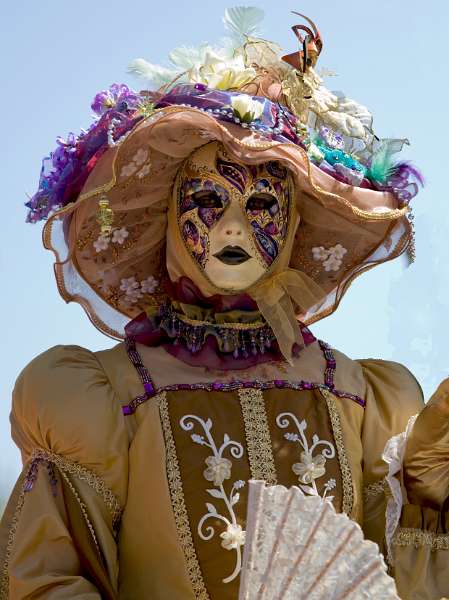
233 217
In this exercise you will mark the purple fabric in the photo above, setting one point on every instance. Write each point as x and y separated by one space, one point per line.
185 291
65 171
146 331
276 121
118 96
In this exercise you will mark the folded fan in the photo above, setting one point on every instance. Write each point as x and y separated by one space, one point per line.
298 547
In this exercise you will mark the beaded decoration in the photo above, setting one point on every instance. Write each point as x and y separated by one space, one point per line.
241 339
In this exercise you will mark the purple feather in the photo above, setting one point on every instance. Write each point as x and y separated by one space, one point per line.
405 170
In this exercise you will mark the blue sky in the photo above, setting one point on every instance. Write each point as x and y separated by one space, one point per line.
391 56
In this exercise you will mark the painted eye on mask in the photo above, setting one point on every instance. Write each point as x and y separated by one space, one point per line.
207 199
262 201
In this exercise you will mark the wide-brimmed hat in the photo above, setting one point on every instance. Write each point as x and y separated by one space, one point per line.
106 193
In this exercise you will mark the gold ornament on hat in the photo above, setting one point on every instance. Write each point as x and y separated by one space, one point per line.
105 216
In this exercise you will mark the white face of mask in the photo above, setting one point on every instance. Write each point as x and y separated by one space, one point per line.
233 218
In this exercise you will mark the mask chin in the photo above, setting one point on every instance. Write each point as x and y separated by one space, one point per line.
232 278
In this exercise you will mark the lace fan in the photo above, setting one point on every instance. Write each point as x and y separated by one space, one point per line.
298 547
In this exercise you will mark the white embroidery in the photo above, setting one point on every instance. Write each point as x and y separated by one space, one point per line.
330 257
144 171
128 170
140 156
101 243
310 467
149 285
218 469
134 290
136 163
117 236
131 287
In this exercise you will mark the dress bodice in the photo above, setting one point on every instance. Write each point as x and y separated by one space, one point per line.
286 424
155 456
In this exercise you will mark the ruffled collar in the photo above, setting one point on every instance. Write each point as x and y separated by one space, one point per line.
228 333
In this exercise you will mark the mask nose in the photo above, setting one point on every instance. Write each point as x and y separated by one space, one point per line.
232 223
233 229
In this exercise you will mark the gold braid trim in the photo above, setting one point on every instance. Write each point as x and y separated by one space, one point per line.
83 509
258 439
239 326
419 539
65 466
178 503
345 468
374 489
4 581
83 474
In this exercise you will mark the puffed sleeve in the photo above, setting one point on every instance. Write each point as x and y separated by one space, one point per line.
57 536
392 396
411 535
421 541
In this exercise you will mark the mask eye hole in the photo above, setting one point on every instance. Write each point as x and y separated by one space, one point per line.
207 199
261 201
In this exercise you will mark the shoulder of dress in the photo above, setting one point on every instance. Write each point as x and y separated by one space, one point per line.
392 383
348 375
61 368
64 402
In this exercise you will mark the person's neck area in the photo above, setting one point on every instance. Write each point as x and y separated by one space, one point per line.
217 332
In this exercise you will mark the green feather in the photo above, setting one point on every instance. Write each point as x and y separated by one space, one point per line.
382 162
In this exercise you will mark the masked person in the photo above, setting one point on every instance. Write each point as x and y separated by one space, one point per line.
207 225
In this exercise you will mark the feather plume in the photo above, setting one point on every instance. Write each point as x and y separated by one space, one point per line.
186 57
382 162
242 22
150 72
407 170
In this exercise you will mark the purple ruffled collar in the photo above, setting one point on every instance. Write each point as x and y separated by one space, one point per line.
220 332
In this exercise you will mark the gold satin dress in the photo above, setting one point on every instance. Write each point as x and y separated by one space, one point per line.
142 496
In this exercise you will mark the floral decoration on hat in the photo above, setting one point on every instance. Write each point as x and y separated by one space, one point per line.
246 81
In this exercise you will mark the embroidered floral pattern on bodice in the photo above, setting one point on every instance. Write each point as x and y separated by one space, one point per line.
311 467
218 470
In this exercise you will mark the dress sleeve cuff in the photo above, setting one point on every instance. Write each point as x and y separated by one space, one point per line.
393 455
